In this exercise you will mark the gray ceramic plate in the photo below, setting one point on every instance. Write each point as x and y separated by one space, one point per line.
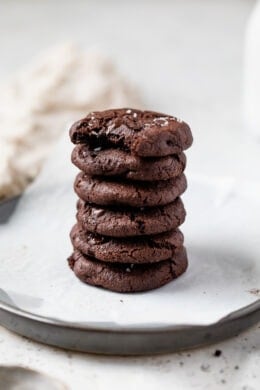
115 339
125 340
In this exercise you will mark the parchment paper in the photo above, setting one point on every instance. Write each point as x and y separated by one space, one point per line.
222 234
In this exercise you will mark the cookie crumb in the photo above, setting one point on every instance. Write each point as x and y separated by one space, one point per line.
218 353
236 367
162 121
255 291
205 367
181 363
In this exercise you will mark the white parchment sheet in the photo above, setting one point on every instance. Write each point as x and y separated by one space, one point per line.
222 235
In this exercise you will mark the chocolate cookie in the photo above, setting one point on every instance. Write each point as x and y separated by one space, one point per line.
128 277
148 249
138 194
126 222
116 162
144 133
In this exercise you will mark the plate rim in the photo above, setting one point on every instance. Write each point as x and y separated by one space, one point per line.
253 307
108 340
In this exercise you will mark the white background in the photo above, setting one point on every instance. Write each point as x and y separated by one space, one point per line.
186 57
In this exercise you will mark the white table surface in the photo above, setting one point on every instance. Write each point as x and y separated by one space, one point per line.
186 57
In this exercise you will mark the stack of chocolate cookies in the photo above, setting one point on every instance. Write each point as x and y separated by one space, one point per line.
126 238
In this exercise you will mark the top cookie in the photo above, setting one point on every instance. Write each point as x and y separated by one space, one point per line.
143 133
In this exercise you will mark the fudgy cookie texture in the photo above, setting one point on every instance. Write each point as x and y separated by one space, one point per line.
128 277
116 162
126 222
132 164
139 194
143 133
148 249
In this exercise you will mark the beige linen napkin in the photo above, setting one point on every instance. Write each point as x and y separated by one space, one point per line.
39 103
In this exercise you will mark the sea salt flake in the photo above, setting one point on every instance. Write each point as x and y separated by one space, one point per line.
110 128
165 123
162 121
173 118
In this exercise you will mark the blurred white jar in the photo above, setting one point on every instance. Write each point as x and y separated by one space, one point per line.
252 72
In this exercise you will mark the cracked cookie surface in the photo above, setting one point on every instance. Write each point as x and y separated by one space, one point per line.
148 249
136 194
128 277
125 222
116 162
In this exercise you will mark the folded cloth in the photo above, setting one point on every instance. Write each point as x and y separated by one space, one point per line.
38 105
